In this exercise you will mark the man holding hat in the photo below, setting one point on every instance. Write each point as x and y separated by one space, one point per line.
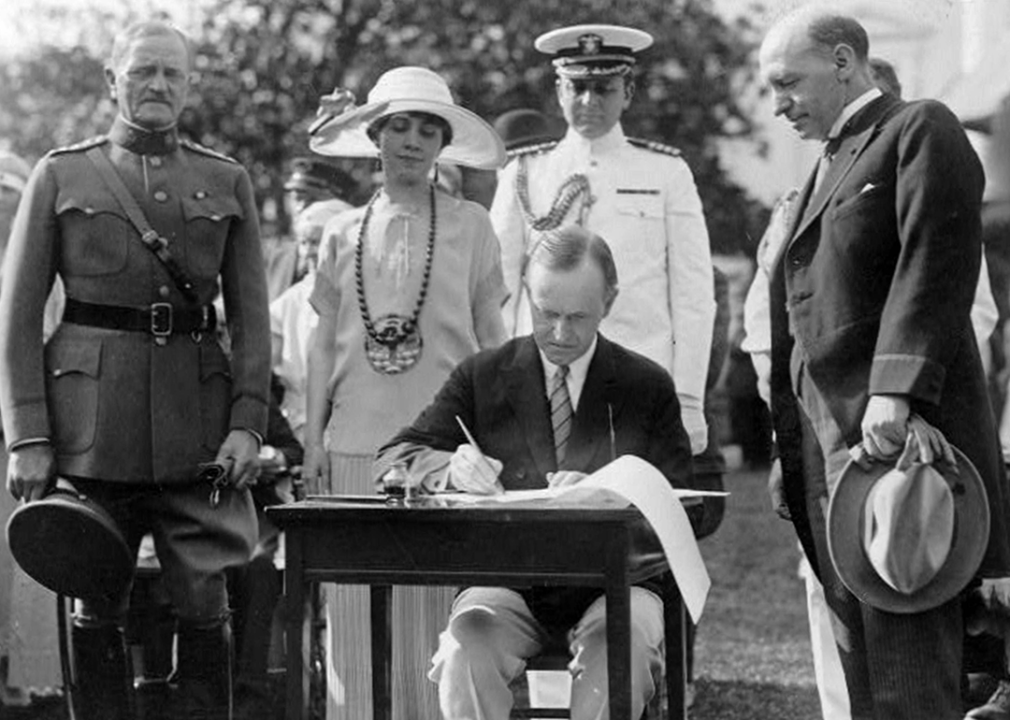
872 349
133 399
640 195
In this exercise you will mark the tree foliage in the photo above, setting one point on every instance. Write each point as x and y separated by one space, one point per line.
262 65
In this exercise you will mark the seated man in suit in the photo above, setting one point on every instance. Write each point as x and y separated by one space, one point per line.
546 410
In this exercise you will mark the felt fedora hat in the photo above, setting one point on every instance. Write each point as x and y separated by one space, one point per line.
71 545
411 89
907 540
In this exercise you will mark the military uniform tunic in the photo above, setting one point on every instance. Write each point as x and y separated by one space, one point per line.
116 404
644 203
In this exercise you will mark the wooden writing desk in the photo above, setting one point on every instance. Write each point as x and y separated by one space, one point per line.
364 541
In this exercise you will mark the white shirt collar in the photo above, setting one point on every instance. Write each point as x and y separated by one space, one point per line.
851 109
577 371
612 140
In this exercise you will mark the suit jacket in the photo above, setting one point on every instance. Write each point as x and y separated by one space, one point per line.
875 287
500 394
116 405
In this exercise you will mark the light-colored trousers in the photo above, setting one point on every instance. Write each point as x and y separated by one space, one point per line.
492 632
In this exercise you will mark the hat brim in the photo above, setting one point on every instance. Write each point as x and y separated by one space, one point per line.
474 142
71 546
845 528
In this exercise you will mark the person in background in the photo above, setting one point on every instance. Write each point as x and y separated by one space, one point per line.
133 392
640 195
312 181
546 409
293 320
406 287
870 321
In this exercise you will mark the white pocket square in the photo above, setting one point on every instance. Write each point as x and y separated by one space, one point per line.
867 188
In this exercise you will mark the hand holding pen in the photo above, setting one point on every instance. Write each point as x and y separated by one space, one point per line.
470 470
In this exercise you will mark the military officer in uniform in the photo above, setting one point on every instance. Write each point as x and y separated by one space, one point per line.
133 392
639 195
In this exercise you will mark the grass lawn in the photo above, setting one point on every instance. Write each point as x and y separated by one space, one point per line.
752 654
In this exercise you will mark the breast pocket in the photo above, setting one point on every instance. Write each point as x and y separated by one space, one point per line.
640 218
73 376
215 396
208 220
95 235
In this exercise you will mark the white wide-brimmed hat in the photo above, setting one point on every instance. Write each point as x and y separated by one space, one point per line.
411 89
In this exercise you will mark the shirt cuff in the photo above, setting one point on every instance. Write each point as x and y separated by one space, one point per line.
25 442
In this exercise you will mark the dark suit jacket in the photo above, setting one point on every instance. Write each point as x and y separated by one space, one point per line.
876 283
500 395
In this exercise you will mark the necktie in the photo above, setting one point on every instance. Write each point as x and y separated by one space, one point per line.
828 154
561 413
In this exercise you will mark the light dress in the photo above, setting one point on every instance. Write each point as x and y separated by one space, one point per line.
465 293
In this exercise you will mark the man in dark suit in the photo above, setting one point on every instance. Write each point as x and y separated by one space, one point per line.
870 303
133 392
546 410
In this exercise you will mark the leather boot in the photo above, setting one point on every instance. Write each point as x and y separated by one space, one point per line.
203 672
102 684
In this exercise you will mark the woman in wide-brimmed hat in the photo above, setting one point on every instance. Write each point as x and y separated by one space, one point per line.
406 288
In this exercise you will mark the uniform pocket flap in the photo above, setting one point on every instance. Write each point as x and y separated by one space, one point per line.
213 362
89 205
75 357
209 207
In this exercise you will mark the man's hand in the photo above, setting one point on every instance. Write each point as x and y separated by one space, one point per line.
30 471
272 465
316 469
564 478
885 426
775 492
240 450
473 472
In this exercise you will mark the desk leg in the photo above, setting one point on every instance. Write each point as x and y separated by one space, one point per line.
675 619
619 637
382 651
294 599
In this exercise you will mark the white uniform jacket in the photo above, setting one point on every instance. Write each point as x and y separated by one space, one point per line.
644 203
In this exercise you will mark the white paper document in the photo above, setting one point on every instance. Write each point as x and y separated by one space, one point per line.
638 483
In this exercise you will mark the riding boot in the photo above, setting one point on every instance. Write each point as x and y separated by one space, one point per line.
203 671
102 684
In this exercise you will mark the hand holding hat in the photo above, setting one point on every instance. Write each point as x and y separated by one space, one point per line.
908 536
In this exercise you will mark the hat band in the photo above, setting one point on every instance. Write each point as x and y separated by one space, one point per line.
14 182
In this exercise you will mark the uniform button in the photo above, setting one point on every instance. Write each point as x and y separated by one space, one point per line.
156 161
163 291
161 196
57 372
200 194
215 217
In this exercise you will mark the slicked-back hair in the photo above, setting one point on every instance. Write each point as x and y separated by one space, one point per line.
566 247
146 28
828 31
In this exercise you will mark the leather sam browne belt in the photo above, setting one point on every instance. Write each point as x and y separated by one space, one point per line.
159 319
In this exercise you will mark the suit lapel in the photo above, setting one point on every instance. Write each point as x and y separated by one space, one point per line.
528 398
589 446
865 124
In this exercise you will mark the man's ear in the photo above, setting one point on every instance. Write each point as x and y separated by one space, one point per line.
844 58
110 79
608 301
629 91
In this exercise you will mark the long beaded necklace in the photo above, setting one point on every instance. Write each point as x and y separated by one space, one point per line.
392 342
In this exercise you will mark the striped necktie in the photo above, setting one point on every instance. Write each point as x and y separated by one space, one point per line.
561 413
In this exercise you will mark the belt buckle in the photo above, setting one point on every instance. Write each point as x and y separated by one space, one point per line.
161 319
